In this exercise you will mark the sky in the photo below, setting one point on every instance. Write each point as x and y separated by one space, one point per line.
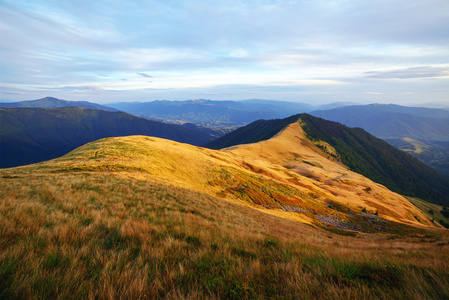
311 51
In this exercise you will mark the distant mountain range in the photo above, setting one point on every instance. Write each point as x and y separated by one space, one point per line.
388 121
30 135
213 113
49 102
357 149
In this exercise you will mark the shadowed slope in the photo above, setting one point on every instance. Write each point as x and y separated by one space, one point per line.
30 135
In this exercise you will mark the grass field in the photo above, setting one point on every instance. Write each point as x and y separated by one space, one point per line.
103 235
145 218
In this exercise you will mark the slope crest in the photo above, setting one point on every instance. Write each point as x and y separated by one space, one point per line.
286 176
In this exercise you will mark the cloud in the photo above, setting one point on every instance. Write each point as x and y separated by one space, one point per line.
94 89
415 72
144 75
200 44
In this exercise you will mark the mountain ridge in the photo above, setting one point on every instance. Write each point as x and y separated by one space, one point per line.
35 134
213 112
362 152
290 177
51 102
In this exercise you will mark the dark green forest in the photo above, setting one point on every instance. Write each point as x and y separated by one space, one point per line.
30 135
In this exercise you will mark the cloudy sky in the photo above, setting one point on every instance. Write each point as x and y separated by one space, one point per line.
313 51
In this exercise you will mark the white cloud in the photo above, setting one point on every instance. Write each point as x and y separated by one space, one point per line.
411 73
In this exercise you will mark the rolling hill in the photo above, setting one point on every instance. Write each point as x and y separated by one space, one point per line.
30 135
360 151
145 217
50 102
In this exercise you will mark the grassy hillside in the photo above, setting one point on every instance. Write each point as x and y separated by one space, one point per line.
379 161
357 149
140 217
30 135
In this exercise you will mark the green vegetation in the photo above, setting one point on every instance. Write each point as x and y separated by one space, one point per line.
110 220
437 213
445 212
360 151
379 161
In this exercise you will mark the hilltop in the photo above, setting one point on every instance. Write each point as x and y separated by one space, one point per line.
31 135
357 149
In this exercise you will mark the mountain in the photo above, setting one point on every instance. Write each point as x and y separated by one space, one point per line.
398 125
334 105
48 102
144 217
392 121
360 151
30 135
213 113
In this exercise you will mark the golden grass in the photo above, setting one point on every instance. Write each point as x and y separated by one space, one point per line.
99 235
275 175
141 217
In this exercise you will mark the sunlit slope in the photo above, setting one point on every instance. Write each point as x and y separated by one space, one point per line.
311 168
287 176
70 233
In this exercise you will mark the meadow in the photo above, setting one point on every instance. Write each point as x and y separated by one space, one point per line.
113 234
